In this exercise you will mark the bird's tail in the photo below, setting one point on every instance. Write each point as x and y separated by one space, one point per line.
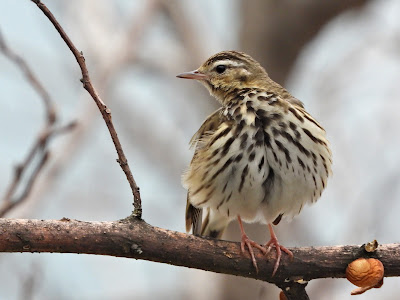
214 224
193 218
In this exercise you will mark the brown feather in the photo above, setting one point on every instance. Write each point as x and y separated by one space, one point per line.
193 214
193 218
209 125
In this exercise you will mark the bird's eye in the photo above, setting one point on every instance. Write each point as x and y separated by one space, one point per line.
220 69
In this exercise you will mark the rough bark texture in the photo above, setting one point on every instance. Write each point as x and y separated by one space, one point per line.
134 238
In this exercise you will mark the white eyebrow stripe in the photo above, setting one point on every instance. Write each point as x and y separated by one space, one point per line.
245 72
231 63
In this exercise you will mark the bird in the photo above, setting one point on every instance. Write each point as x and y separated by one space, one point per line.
259 157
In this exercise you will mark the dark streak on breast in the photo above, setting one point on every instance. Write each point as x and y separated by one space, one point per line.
244 174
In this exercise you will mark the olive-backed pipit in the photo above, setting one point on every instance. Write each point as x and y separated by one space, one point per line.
259 157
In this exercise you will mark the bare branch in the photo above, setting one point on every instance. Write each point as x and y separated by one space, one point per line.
38 149
134 238
104 110
35 83
39 146
8 205
127 49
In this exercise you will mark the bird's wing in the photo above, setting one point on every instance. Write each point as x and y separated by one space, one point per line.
295 101
193 214
209 126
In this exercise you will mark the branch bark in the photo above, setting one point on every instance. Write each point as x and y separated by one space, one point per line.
134 238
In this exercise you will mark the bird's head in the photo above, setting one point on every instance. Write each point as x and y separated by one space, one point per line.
227 71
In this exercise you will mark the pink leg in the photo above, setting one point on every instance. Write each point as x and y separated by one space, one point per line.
250 244
279 248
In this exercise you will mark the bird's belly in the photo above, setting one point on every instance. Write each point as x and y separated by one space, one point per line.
243 193
258 181
261 196
232 183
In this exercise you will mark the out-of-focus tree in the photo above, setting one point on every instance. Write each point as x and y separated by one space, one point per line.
275 31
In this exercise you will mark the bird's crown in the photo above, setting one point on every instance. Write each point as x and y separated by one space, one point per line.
231 69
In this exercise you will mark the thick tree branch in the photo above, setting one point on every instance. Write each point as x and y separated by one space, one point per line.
134 238
104 110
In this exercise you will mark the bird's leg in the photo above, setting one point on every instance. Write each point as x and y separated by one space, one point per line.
279 248
250 244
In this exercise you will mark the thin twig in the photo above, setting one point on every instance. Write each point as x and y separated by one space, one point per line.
8 205
38 149
35 83
104 110
108 69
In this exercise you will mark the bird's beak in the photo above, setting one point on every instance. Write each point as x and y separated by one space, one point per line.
193 75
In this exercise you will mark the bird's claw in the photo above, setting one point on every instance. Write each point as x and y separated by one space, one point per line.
246 241
273 242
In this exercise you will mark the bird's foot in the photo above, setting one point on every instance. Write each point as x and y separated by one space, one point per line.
273 242
246 241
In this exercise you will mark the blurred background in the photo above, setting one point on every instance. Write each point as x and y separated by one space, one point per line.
341 58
